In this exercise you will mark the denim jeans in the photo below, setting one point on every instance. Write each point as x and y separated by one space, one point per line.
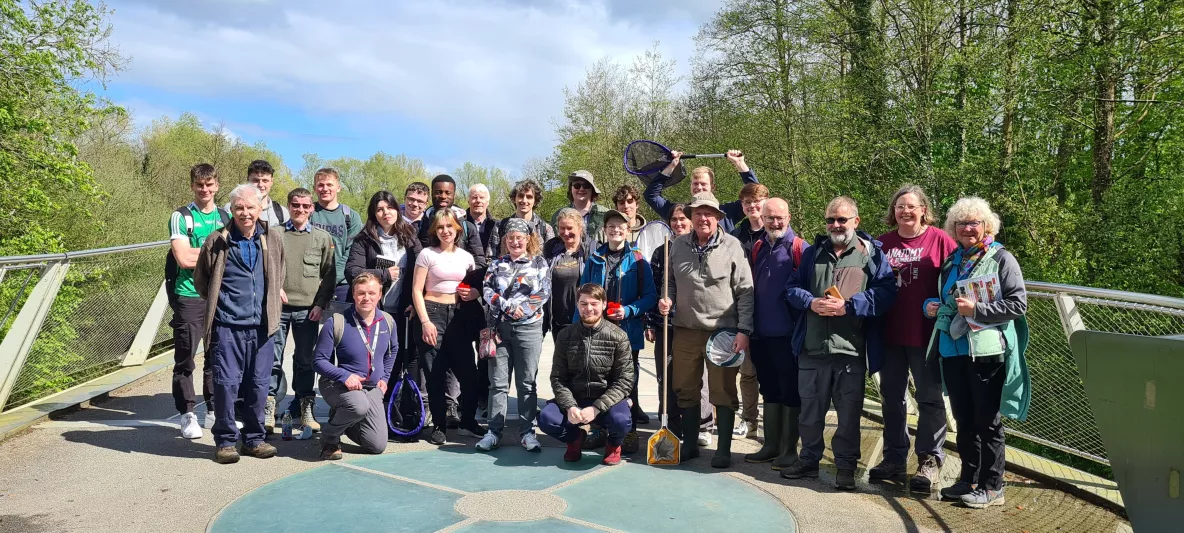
520 349
304 335
616 421
453 351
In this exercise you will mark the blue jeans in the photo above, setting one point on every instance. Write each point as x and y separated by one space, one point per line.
521 347
304 334
242 360
617 421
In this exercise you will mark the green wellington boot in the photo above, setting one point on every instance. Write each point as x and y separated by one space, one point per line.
690 440
773 427
789 438
725 420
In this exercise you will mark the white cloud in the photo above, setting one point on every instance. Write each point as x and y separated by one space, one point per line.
465 69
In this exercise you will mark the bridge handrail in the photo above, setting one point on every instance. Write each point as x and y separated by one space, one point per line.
1108 294
43 258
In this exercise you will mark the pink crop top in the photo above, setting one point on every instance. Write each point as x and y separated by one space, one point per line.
445 270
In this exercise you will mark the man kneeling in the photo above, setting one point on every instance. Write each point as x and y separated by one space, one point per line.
591 375
364 341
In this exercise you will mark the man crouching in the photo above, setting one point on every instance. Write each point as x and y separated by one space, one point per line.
591 375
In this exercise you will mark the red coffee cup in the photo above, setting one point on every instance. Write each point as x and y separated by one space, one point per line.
463 285
613 307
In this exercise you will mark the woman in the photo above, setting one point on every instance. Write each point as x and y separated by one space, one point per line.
566 256
525 195
364 343
980 347
916 251
680 224
583 194
439 270
629 282
516 287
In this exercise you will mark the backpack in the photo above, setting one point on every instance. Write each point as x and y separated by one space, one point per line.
799 244
279 211
405 413
171 268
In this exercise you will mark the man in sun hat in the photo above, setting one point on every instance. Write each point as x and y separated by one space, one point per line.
583 193
711 284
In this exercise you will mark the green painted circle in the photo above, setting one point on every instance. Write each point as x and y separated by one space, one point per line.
420 491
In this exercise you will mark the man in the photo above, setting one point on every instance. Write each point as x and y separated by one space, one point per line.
583 194
478 213
625 199
710 283
415 201
702 180
845 282
342 223
308 289
261 174
240 273
752 199
526 196
591 374
774 258
188 228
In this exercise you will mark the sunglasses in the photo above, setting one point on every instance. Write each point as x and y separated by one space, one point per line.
840 220
581 185
299 206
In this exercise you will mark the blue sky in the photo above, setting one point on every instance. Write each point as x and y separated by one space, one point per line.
446 82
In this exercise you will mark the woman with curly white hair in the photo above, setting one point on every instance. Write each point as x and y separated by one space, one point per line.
979 344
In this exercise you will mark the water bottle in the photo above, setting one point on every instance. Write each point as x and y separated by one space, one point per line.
287 434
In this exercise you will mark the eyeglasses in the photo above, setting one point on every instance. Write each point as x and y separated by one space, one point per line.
840 220
907 207
968 224
299 206
582 185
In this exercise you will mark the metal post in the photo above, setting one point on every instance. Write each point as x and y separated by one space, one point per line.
142 344
19 340
1072 322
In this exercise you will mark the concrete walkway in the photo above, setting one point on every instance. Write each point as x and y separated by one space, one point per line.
121 465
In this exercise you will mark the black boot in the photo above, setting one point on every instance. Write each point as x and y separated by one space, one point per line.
789 438
725 419
773 428
690 438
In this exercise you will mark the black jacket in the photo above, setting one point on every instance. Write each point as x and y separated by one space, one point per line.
592 363
539 226
744 233
363 255
491 240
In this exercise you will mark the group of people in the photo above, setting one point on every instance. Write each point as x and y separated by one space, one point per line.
414 287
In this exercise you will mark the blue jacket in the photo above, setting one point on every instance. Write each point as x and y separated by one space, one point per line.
869 304
244 286
733 210
771 269
638 293
352 355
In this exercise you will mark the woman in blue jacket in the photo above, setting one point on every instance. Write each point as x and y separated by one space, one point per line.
626 276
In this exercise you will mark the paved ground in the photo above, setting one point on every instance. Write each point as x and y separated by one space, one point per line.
121 465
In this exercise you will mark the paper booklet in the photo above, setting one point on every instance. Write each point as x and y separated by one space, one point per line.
980 289
384 261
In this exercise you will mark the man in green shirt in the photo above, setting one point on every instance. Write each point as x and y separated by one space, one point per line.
188 228
342 223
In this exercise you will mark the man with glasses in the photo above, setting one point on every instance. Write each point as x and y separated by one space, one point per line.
311 275
750 230
582 192
415 202
845 283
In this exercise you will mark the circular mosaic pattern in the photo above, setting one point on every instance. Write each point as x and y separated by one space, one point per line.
510 505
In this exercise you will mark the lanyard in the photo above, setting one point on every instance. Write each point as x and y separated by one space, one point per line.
369 340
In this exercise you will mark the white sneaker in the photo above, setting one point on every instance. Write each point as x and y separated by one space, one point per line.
209 423
190 429
531 443
704 438
488 442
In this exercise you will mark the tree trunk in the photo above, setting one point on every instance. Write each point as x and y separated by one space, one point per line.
1105 89
1007 150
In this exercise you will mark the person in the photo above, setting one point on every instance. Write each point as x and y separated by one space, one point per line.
261 174
750 230
189 226
566 256
844 285
311 274
516 287
625 200
984 370
342 223
626 276
702 180
487 226
680 224
444 343
774 258
583 195
415 202
525 196
711 285
916 250
364 342
240 272
591 374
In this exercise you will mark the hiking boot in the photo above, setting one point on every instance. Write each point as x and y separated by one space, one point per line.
190 429
488 442
754 431
788 449
530 443
262 450
927 476
306 418
845 479
772 446
438 437
331 452
226 455
471 429
575 448
725 417
612 455
269 415
887 470
956 491
983 498
453 419
690 444
639 416
800 469
632 442
595 439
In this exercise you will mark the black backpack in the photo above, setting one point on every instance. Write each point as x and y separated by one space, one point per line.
171 268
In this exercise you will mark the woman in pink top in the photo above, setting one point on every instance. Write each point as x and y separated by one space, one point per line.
439 271
916 250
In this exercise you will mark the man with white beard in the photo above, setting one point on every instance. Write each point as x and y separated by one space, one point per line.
844 284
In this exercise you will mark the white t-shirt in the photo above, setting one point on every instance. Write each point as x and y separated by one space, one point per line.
445 270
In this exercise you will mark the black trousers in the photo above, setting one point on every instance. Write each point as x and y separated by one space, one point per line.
189 323
776 370
453 351
975 389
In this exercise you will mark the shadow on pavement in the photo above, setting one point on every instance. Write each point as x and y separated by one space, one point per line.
35 523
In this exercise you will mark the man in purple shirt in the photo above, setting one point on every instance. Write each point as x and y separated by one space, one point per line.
365 344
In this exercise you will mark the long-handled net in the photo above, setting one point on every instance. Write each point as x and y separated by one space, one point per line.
663 447
646 159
